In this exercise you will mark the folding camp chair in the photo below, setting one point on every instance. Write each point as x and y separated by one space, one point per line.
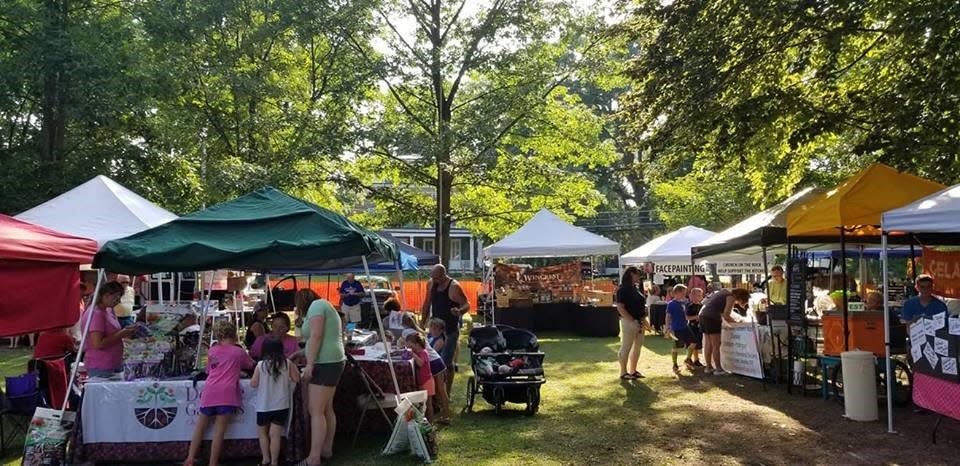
375 399
20 399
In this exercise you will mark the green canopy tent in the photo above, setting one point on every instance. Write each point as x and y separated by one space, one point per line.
264 230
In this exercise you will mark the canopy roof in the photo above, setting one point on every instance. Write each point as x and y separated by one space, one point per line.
100 209
264 230
671 248
857 203
547 235
24 241
938 213
422 258
750 236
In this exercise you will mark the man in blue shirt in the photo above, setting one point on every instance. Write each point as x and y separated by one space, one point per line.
351 291
923 305
677 328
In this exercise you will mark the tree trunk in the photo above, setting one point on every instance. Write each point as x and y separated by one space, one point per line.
53 120
444 117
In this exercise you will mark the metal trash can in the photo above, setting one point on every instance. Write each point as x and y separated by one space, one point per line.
859 385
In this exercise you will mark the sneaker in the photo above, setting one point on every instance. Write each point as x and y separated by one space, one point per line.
676 369
708 370
689 364
721 372
698 364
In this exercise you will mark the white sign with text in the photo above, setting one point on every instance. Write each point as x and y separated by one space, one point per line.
739 353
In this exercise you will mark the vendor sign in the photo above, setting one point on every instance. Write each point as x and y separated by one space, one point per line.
162 411
944 266
537 278
739 353
723 268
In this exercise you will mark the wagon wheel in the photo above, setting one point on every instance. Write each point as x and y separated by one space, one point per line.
533 401
471 392
902 383
498 396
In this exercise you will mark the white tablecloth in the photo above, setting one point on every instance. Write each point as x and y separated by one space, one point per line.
165 411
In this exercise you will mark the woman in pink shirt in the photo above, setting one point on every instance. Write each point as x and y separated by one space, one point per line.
221 396
279 328
103 348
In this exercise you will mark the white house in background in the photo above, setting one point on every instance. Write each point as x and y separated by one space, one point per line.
464 248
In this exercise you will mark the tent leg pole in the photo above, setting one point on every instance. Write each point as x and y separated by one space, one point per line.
403 295
886 333
203 316
913 262
273 304
383 334
843 282
83 338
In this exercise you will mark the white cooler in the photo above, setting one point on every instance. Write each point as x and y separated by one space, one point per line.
859 385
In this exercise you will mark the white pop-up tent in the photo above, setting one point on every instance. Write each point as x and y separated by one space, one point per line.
547 235
936 219
100 209
671 254
670 249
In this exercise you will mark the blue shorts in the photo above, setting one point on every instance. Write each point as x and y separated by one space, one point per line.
437 366
102 373
126 321
450 348
213 411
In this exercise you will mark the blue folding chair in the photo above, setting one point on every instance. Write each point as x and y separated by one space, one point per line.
21 397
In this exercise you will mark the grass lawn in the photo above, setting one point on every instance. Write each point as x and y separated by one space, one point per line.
588 416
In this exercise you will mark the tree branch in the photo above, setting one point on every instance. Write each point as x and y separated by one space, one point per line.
393 91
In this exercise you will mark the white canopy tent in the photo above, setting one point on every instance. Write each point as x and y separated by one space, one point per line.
937 214
100 209
671 255
547 235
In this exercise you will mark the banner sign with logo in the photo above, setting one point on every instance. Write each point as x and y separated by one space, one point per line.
944 266
739 353
536 278
164 411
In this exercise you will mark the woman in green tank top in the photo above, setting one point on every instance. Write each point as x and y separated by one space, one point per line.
322 331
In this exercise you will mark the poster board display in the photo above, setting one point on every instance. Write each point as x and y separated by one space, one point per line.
739 351
935 346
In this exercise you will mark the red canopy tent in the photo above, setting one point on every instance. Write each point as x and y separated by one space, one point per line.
40 276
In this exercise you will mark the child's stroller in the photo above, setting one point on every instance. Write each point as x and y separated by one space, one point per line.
507 366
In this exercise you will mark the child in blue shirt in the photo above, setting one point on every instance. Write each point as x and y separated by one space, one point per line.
677 328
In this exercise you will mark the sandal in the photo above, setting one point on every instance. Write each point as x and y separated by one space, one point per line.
627 377
637 375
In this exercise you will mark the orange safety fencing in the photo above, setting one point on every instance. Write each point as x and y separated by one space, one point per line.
415 291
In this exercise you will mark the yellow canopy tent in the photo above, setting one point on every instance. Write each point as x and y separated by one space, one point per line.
853 209
857 203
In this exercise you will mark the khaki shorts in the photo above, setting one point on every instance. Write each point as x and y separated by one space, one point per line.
353 313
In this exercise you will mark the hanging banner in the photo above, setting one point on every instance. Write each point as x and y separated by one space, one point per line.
944 266
739 353
537 278
723 268
164 411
